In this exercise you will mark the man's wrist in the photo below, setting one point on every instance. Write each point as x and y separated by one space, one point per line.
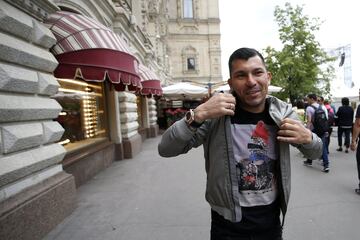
191 120
198 116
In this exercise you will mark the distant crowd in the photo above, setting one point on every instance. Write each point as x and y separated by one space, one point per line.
320 116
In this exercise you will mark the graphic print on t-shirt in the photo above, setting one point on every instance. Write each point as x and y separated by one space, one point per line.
255 155
257 170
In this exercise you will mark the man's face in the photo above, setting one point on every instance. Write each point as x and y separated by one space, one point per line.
250 80
311 100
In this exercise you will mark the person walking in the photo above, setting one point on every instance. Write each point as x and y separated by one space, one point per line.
317 122
246 137
355 144
331 120
345 116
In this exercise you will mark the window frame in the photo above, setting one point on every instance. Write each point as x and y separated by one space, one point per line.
188 9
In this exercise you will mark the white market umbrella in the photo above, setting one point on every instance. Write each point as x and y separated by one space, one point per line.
226 88
274 89
184 90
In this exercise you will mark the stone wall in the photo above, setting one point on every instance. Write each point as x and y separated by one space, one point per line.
29 157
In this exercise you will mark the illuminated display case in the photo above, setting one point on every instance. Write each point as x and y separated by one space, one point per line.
83 115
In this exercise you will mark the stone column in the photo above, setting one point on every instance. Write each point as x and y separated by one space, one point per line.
129 124
154 127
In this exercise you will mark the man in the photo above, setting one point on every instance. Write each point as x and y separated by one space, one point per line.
310 115
246 137
331 118
345 116
354 143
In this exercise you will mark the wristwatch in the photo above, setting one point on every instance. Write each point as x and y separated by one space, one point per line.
190 119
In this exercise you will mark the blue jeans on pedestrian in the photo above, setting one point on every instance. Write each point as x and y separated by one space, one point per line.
324 156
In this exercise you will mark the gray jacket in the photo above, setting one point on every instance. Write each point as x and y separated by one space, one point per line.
215 135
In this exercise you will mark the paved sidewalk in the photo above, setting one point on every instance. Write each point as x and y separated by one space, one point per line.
155 198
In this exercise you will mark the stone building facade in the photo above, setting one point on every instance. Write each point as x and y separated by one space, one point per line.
52 140
194 41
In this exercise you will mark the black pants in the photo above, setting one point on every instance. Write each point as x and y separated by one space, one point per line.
222 229
347 132
358 161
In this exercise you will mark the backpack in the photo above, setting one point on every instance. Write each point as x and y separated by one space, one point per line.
331 116
319 121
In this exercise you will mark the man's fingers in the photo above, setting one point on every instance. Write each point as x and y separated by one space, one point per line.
286 132
286 139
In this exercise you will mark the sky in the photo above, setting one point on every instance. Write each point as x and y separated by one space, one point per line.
252 24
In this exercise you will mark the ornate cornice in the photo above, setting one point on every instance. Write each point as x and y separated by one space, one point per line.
38 9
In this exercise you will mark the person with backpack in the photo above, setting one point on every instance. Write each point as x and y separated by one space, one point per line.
317 122
345 117
331 119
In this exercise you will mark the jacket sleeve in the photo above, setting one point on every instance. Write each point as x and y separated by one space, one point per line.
280 110
312 150
179 139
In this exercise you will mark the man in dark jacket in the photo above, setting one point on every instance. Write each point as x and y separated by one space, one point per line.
345 116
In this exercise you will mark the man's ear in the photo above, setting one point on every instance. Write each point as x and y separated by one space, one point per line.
229 82
269 74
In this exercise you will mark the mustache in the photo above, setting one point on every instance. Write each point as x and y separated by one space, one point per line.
254 89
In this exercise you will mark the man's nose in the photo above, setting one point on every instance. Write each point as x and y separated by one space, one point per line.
250 80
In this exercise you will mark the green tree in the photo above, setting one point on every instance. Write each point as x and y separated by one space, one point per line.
301 67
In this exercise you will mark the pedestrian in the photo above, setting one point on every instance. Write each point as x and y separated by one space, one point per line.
246 137
300 109
344 116
317 122
355 143
331 120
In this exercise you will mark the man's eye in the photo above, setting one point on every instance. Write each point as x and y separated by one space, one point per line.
240 76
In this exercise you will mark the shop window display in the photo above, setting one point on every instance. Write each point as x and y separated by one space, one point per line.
83 115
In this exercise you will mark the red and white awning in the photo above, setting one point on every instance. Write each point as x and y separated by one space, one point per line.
150 82
88 50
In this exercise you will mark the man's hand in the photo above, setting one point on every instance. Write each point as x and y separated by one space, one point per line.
218 105
353 145
293 131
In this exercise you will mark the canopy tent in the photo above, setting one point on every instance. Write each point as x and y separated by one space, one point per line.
90 51
226 88
182 91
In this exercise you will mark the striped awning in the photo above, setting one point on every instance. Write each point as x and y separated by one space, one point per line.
150 82
88 50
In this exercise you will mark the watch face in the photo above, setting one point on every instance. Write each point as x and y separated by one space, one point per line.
188 117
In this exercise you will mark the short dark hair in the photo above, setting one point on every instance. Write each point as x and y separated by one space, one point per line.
300 104
244 53
345 101
312 96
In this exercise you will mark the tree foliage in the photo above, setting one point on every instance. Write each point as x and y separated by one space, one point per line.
301 67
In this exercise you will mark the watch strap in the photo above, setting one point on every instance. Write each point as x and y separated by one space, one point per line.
190 119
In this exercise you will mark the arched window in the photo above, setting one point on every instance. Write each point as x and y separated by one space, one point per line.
190 60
